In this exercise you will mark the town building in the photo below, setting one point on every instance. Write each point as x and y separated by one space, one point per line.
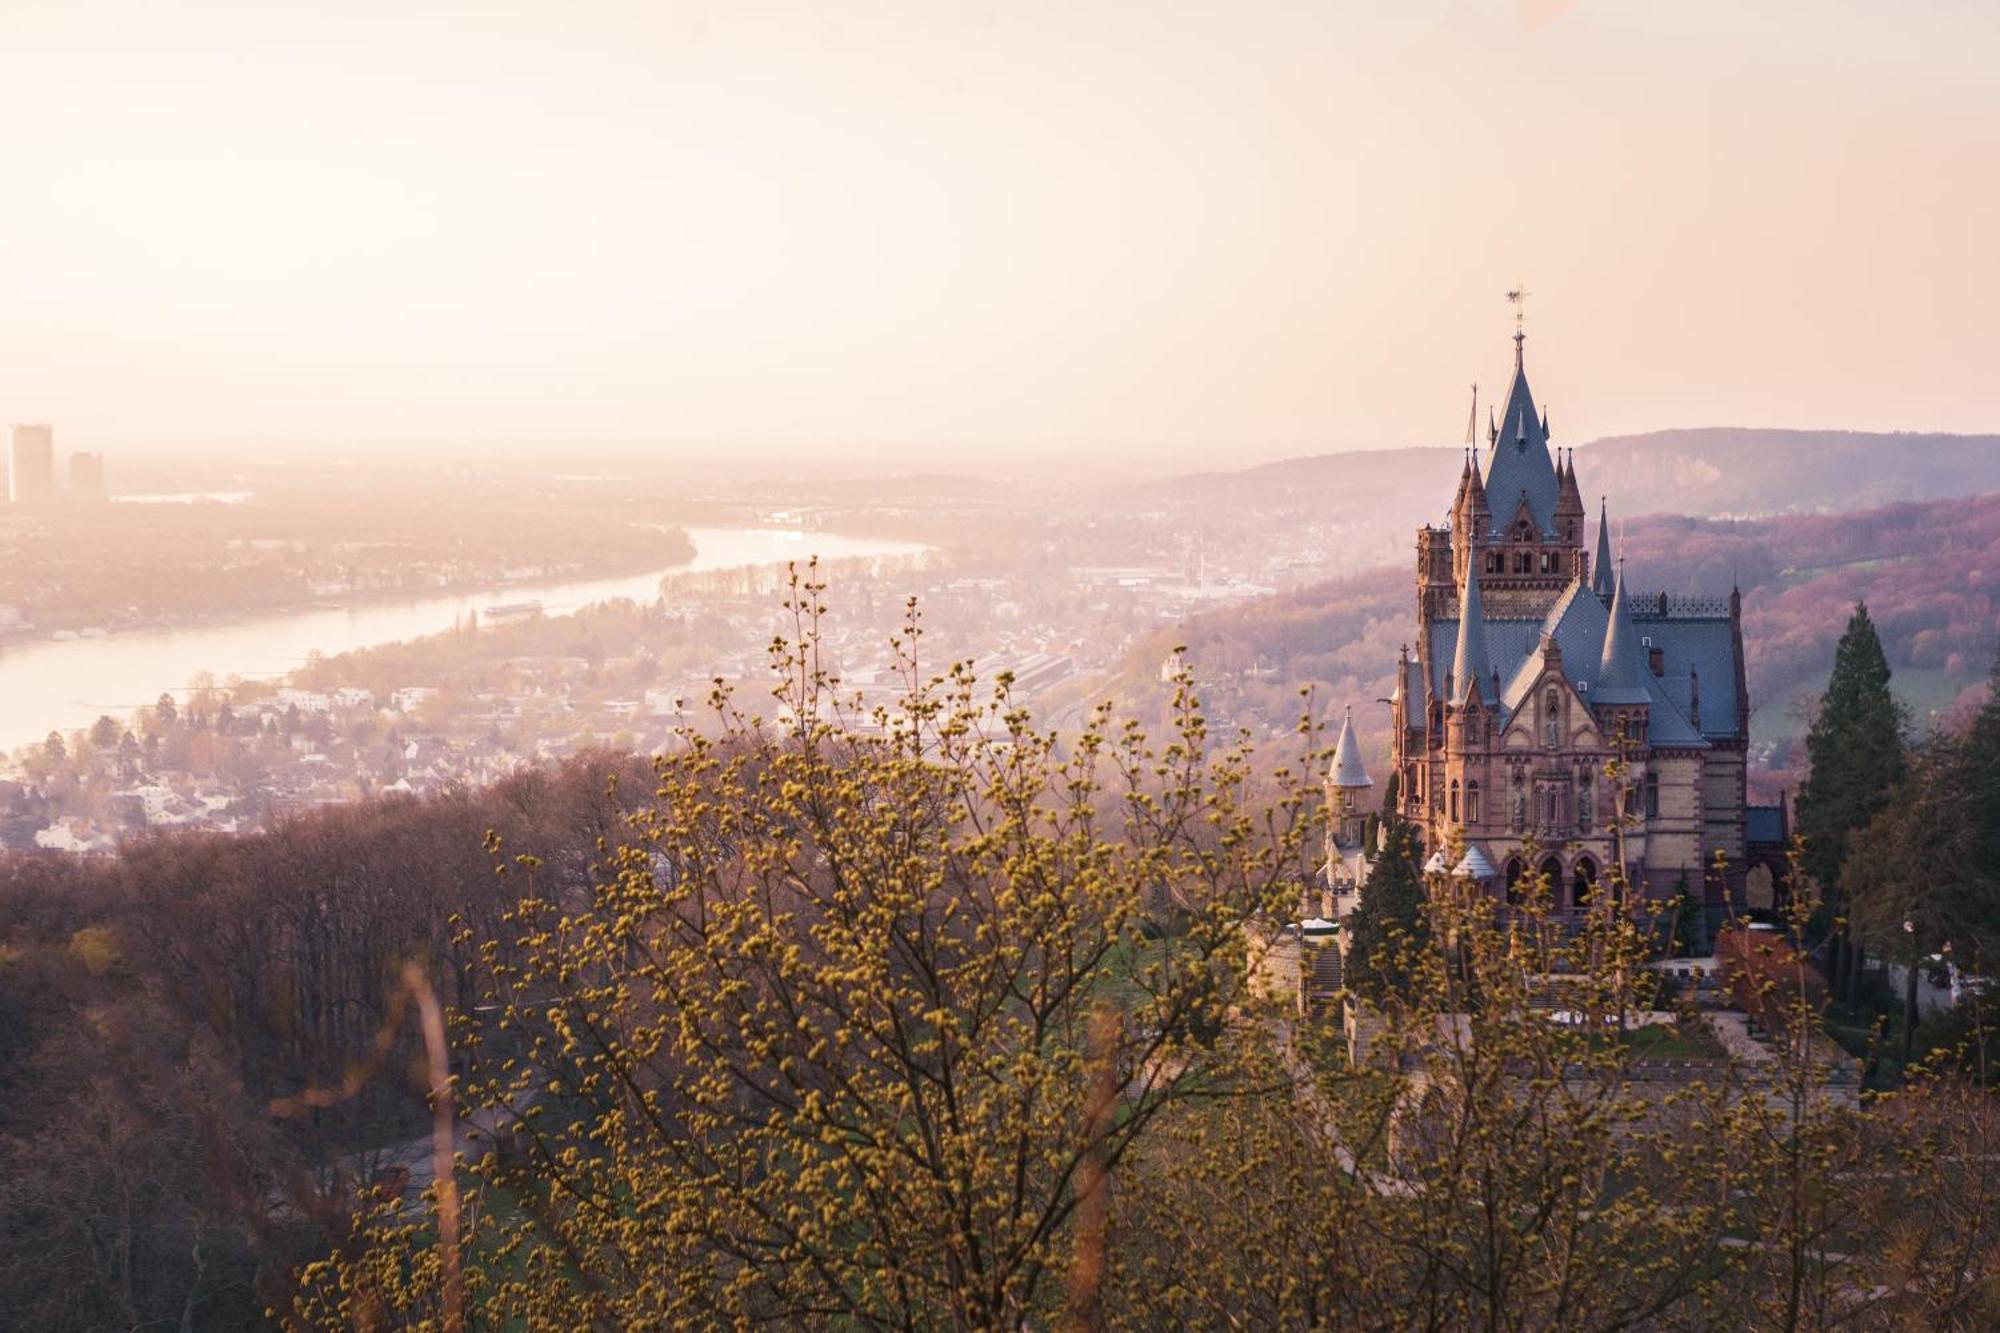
1551 719
31 464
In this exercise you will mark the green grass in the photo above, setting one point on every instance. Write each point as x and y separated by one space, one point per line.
1661 1041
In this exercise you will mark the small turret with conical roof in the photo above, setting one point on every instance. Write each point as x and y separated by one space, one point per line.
1346 779
1569 501
1348 772
1471 668
1600 566
1622 671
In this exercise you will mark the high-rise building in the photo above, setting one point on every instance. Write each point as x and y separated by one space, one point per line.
1552 721
31 464
86 478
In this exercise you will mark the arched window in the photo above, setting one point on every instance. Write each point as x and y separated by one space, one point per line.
1496 562
1583 883
1472 801
1552 874
1452 811
1523 532
1552 718
1514 871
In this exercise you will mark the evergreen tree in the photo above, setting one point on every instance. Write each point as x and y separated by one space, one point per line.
1390 919
1855 748
1980 774
1911 881
1684 938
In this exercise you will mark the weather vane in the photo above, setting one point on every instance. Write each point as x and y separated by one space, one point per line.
1518 298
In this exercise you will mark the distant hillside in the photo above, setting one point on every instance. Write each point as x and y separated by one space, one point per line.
1731 470
1380 496
1930 573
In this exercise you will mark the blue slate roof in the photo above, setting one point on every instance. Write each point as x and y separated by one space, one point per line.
1347 770
1622 671
1471 668
1697 642
1764 824
1600 565
1411 687
1518 462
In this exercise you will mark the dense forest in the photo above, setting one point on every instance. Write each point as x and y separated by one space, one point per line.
156 1005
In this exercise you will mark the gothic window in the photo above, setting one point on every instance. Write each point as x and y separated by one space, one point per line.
1552 718
1514 872
1583 883
1496 562
1652 795
1524 533
1452 811
1524 563
1472 802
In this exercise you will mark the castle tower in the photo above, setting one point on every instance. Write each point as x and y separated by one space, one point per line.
1547 718
1346 781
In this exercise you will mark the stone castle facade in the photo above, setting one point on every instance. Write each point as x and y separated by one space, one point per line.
1548 717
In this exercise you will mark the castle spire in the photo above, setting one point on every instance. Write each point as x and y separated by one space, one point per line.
1518 458
1621 672
1600 566
1347 771
1471 667
1569 500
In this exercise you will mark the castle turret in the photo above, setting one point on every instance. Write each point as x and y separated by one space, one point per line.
1600 567
1346 780
1622 672
1569 503
1471 668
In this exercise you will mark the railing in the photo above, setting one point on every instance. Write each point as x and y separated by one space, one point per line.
1667 606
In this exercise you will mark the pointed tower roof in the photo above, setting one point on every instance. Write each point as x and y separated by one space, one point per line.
1518 457
1622 672
1471 668
1600 564
1569 500
1347 770
1476 864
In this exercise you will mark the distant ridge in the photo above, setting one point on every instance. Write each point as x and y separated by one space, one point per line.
1707 471
1714 470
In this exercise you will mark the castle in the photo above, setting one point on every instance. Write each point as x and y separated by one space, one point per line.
1550 719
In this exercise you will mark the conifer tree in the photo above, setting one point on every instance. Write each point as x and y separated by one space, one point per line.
1980 774
1390 916
1855 748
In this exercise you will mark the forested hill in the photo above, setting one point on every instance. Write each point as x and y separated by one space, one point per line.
1928 571
1377 497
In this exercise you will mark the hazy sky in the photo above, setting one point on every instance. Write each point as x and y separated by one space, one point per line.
1182 233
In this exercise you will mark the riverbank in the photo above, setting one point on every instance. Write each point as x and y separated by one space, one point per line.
63 686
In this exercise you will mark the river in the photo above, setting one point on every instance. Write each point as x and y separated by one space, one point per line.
49 685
